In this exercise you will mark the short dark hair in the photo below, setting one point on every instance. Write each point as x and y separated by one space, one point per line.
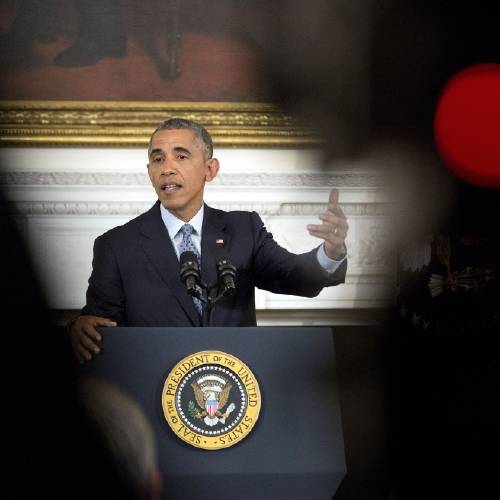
181 123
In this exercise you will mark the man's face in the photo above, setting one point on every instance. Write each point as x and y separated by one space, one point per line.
178 169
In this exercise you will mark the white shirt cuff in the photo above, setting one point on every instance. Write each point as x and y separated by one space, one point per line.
329 265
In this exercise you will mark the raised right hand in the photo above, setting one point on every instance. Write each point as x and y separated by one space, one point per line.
84 336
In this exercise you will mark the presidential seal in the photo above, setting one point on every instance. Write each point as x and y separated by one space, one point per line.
211 400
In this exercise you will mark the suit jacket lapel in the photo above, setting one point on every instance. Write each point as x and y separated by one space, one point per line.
158 247
214 239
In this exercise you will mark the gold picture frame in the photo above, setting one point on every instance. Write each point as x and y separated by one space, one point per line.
130 123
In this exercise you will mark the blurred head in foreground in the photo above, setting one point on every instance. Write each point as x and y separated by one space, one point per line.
127 437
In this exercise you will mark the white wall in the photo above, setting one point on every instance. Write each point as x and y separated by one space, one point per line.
67 197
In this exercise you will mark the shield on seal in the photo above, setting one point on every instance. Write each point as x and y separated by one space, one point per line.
211 406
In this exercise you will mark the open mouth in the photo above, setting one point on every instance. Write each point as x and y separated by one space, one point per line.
170 187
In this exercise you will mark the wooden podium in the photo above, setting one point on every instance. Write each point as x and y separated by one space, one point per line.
296 448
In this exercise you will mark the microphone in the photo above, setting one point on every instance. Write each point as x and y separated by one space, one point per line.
190 272
226 274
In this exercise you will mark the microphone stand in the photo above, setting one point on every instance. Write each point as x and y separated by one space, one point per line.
204 296
209 295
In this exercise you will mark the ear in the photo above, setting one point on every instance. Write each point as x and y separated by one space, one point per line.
212 169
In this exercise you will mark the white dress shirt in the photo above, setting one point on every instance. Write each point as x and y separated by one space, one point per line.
173 225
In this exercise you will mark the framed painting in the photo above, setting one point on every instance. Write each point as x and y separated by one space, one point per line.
106 72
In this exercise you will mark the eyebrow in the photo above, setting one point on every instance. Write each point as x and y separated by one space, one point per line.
177 149
180 149
156 151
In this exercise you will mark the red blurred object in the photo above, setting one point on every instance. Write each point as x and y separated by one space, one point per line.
467 125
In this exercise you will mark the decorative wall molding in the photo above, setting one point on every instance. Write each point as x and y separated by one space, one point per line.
371 249
349 209
73 179
137 208
80 208
322 180
365 180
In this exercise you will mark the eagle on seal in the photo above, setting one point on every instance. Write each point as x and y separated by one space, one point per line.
211 398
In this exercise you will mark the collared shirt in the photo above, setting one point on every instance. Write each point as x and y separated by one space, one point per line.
173 225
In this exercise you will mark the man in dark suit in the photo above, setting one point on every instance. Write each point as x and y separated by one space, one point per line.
135 277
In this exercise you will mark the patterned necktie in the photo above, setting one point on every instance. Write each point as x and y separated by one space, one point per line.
187 245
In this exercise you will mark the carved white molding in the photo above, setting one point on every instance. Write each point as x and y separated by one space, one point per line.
349 209
370 246
73 179
322 180
136 208
80 208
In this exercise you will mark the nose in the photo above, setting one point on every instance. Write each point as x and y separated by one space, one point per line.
167 167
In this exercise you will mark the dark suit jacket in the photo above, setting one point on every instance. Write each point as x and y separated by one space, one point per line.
135 277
